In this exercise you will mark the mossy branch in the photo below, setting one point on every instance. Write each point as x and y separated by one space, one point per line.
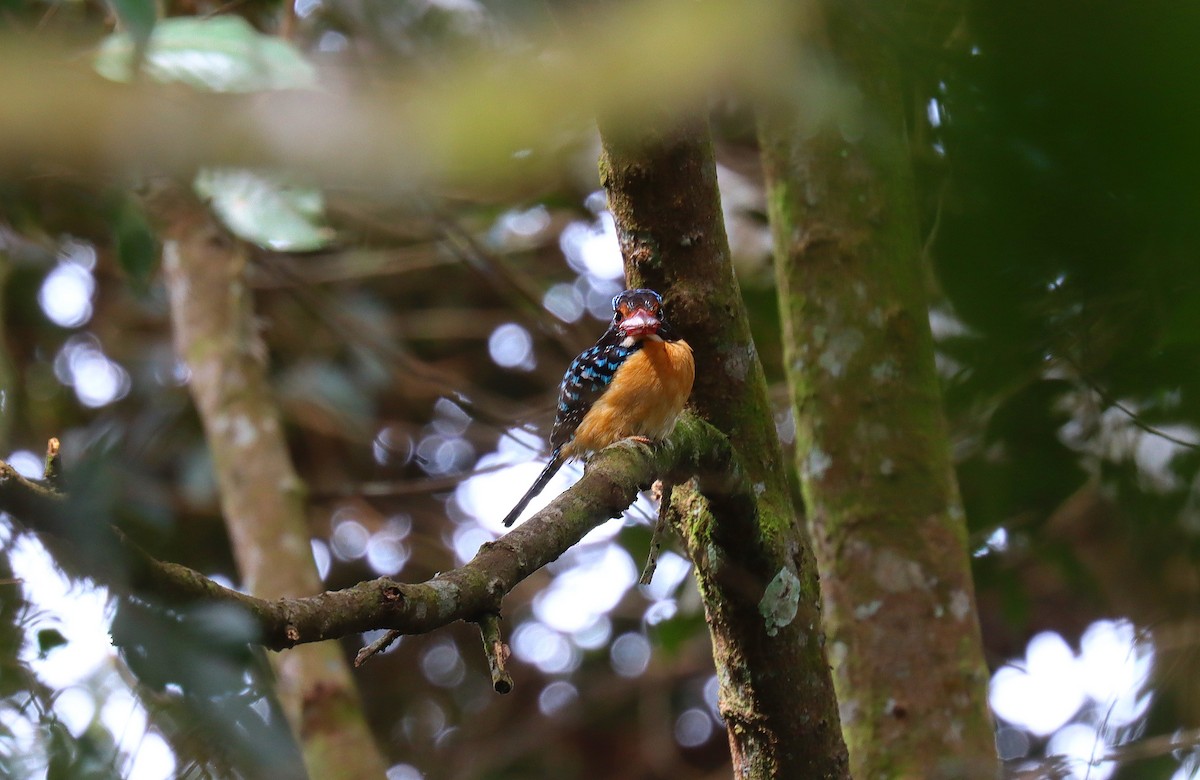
470 592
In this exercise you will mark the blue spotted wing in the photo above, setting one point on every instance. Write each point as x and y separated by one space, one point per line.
586 380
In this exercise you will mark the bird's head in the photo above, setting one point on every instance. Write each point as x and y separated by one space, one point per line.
638 314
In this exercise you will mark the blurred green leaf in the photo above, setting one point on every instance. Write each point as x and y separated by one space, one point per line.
224 54
265 210
61 752
673 635
330 388
225 626
88 757
137 18
136 247
220 54
48 639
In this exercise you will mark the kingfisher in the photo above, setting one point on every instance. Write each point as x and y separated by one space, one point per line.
631 385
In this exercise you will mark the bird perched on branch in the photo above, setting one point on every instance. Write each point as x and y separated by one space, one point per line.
632 384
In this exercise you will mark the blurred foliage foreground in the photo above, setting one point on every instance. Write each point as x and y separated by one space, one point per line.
409 176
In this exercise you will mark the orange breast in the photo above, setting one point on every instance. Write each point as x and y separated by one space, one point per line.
645 397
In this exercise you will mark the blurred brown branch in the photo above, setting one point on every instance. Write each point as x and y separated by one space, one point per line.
7 473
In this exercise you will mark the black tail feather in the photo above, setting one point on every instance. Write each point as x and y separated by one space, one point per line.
556 461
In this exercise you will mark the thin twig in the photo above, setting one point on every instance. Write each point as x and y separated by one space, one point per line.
7 472
51 471
337 267
931 238
1137 421
660 528
50 13
1153 747
497 652
407 488
521 291
377 647
224 8
481 406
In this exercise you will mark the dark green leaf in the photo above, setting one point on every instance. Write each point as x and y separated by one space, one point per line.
137 249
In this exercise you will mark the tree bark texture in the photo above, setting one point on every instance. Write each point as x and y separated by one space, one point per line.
262 498
754 568
871 441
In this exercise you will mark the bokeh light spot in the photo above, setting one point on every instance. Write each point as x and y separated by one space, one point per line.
386 553
511 346
450 419
544 647
97 381
423 722
320 553
1011 743
592 249
1083 747
594 635
467 542
593 584
556 697
153 759
442 665
75 707
693 728
522 223
66 295
1043 695
564 301
27 464
1115 669
712 693
392 446
630 655
349 540
404 772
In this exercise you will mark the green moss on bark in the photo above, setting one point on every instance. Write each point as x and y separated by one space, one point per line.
755 572
872 447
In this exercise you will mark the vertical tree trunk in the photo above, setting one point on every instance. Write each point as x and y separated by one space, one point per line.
262 498
756 573
872 445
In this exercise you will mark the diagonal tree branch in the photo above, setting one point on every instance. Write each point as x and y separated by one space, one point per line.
469 592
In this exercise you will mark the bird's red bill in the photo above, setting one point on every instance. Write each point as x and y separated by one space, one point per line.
640 323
